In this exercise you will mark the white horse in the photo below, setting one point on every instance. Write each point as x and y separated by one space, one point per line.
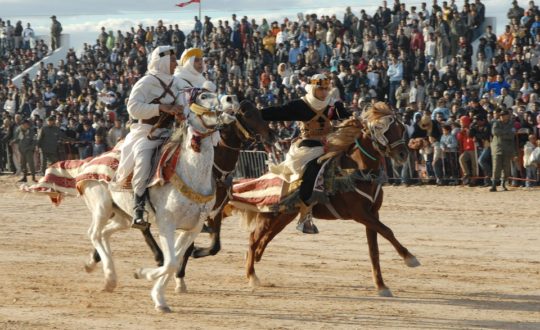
182 204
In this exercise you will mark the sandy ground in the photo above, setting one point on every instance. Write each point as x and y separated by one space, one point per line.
480 255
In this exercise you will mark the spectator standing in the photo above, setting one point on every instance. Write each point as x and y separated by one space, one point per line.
531 167
502 148
56 30
395 75
29 37
86 139
49 139
468 159
25 137
17 35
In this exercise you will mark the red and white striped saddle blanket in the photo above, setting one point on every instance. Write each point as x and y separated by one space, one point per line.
68 177
261 194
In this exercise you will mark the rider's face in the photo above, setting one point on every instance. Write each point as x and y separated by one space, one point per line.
321 93
198 64
173 63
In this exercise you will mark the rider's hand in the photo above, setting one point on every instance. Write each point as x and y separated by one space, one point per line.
171 109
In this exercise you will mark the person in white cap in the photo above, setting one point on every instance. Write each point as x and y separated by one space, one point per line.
152 95
315 113
188 74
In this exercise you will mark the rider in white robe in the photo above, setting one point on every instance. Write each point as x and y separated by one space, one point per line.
189 75
153 94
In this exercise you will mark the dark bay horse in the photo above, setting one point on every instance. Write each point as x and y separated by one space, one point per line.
248 129
361 144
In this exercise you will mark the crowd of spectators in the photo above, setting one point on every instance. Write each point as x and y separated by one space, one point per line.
419 60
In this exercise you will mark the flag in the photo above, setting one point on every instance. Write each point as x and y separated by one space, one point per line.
183 4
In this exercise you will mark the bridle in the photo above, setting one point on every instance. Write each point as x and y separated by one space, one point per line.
244 129
377 132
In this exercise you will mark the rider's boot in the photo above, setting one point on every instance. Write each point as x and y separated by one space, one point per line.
305 222
138 218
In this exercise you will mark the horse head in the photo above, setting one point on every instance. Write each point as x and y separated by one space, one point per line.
229 104
386 131
206 112
249 123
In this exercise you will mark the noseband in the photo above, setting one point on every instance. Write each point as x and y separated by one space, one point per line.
246 132
377 134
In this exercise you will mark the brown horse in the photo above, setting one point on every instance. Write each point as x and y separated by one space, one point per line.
359 144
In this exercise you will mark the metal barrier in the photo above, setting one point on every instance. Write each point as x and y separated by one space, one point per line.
251 164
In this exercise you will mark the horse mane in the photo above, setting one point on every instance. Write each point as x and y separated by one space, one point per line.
376 112
177 136
340 140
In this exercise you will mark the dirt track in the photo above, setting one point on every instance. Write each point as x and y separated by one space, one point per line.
480 255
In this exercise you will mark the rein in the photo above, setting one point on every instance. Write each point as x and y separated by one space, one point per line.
359 146
197 138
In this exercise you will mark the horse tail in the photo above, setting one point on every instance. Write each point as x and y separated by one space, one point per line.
248 218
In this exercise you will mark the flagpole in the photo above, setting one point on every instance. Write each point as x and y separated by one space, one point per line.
200 18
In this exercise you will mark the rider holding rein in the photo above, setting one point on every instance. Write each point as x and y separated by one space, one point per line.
315 113
152 95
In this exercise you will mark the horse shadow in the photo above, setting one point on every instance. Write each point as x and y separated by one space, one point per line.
481 301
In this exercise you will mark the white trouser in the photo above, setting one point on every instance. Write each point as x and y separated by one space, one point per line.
136 156
143 166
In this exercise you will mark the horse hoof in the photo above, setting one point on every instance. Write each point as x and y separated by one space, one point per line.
137 274
109 287
180 286
163 309
385 292
411 261
254 282
89 267
181 290
199 253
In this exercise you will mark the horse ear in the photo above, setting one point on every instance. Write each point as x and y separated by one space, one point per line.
193 95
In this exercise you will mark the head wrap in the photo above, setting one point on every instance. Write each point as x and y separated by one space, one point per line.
160 60
317 81
186 69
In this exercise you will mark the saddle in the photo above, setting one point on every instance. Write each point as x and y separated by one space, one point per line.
164 160
271 194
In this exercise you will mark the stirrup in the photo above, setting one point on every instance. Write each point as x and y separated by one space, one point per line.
140 224
306 225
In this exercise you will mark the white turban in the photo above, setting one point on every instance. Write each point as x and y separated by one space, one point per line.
160 60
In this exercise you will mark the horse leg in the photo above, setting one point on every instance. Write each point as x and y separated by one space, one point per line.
277 226
375 265
180 283
409 259
250 262
215 246
111 227
183 245
166 236
162 274
154 247
266 228
100 215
